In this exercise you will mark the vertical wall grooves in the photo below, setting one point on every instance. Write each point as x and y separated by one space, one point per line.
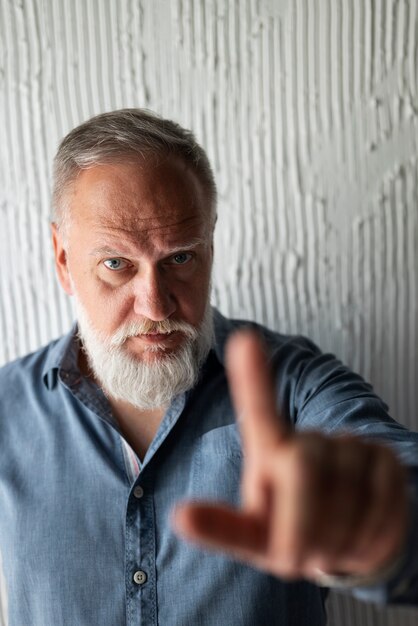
308 110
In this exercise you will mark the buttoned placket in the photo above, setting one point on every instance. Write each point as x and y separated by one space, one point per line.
140 531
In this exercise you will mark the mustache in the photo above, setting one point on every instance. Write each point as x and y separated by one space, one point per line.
146 326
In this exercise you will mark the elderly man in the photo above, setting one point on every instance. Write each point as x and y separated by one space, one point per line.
147 417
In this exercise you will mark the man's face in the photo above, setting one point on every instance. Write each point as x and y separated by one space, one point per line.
138 248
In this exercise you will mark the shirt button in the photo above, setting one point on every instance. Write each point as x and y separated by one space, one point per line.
138 492
140 577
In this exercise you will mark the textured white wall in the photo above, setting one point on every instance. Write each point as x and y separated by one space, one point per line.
309 112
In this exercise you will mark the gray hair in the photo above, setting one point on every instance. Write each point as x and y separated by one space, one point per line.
117 135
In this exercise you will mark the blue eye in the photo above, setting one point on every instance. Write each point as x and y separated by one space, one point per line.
115 264
181 258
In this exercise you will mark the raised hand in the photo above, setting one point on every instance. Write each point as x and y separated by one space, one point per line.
309 502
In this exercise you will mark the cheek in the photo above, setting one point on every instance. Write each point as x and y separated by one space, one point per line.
106 308
192 300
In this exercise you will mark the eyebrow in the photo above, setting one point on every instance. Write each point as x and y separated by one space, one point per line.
190 245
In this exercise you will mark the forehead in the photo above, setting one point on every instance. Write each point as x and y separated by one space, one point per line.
139 198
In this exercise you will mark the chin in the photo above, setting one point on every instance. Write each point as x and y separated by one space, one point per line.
151 354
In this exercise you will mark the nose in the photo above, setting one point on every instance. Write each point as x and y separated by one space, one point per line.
152 296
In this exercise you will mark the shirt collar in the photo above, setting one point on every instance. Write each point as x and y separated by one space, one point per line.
224 328
62 357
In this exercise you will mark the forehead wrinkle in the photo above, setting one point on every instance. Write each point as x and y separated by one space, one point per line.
171 249
134 230
130 206
119 240
132 222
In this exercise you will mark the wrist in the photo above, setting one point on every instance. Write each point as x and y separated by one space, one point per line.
348 581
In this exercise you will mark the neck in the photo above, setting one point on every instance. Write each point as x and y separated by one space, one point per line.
137 426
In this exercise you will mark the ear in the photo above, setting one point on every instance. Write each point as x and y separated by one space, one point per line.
61 264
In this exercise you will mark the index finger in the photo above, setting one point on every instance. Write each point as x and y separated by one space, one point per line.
253 393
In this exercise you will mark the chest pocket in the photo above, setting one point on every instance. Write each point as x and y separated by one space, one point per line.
217 463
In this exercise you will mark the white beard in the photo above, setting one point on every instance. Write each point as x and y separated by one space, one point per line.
145 384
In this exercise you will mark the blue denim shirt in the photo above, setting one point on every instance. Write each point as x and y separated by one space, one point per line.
84 525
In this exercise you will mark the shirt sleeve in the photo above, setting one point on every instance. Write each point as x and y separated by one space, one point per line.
402 586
